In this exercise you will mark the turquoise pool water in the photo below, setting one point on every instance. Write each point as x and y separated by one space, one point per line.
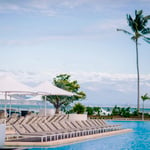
137 140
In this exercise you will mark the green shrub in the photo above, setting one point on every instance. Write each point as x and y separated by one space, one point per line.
79 108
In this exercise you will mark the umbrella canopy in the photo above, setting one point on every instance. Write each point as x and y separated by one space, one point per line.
10 85
47 88
36 98
2 97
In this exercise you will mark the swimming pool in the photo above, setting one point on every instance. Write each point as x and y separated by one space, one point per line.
139 139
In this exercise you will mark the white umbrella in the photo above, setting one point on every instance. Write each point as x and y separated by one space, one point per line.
9 85
36 98
46 88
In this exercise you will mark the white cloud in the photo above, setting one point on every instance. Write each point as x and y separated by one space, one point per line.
33 7
40 40
118 82
82 77
8 6
114 87
38 4
59 6
100 77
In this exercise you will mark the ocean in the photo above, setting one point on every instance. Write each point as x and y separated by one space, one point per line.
132 109
35 106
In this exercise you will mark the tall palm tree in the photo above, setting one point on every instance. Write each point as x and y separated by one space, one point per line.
139 29
144 98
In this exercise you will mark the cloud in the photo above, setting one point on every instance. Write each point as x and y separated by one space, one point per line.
101 88
31 7
119 82
61 7
38 4
9 7
40 40
82 77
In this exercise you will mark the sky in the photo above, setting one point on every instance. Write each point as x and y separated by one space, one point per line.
40 39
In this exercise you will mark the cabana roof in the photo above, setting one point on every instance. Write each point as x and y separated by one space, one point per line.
47 88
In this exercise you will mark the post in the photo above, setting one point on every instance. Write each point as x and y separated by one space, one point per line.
45 106
5 111
10 107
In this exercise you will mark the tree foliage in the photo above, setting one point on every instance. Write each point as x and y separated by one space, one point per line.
138 26
144 98
89 110
79 108
63 81
93 110
118 111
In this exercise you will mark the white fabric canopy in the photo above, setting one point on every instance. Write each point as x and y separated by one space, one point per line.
10 85
2 97
46 88
36 98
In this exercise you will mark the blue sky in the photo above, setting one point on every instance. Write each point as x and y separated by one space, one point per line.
42 38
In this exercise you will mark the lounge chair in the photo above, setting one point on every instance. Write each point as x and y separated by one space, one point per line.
106 126
39 128
85 130
19 120
99 129
11 120
65 131
70 128
58 130
27 119
23 133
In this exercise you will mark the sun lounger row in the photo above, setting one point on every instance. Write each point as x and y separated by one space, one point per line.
48 130
30 119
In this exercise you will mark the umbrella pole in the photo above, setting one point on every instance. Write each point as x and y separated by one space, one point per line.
45 105
5 105
45 108
10 107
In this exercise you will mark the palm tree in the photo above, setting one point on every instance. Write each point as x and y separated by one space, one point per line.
144 98
139 29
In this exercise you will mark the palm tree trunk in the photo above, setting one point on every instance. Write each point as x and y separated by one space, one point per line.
138 77
143 111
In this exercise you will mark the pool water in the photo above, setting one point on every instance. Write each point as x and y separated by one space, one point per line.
139 139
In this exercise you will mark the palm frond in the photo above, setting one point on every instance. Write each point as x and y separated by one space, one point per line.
131 23
146 31
138 12
140 21
133 38
146 39
147 17
145 97
125 31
